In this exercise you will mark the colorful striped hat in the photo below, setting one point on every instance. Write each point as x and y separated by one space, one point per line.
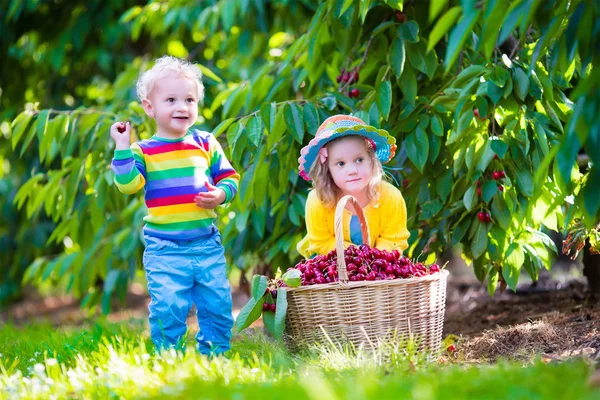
339 126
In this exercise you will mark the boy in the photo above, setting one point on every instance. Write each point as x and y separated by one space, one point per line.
185 175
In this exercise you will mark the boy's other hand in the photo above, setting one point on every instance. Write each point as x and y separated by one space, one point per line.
120 132
211 199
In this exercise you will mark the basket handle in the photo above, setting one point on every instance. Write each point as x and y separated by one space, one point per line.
339 232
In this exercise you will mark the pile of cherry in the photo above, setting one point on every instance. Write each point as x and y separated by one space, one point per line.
363 263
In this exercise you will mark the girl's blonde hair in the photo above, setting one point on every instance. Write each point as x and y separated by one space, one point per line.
164 66
327 190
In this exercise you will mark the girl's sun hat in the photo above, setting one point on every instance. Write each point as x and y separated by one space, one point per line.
339 126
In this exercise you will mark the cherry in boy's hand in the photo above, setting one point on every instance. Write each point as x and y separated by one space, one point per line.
120 133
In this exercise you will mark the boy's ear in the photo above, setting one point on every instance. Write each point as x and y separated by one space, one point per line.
148 108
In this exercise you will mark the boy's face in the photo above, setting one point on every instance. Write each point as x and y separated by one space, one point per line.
350 165
173 103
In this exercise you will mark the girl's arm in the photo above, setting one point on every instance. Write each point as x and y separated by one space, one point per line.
394 233
320 236
130 169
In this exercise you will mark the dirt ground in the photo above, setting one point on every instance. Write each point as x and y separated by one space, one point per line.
554 319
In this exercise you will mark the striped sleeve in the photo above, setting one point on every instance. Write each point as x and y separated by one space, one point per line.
130 169
224 176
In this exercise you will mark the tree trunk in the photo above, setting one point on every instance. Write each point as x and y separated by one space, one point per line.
591 270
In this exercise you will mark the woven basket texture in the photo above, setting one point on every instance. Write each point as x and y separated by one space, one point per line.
366 313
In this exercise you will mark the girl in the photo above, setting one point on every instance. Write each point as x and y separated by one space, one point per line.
345 158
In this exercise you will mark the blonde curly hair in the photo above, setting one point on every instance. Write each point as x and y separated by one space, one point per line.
165 66
328 192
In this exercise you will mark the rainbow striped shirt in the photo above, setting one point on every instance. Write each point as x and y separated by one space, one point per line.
173 172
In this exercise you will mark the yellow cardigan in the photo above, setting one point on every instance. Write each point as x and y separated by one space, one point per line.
386 219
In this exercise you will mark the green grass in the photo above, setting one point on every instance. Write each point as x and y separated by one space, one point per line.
106 360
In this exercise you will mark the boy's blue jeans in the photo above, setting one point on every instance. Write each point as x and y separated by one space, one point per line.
180 273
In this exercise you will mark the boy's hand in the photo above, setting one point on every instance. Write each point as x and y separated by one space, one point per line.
211 199
120 132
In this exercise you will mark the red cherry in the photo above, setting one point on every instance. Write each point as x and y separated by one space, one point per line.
273 307
401 16
500 188
338 79
354 93
487 217
121 127
476 113
451 348
346 77
266 307
496 157
502 174
496 175
481 216
479 191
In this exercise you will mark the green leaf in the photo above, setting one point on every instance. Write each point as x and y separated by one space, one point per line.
492 282
499 147
460 230
430 209
384 98
254 130
470 198
512 265
494 92
364 8
486 155
209 74
19 125
442 26
294 121
521 82
345 6
435 8
40 129
249 313
516 12
459 35
398 56
591 191
311 118
420 59
259 285
480 241
269 321
482 106
56 131
524 182
499 76
501 212
280 313
417 148
268 113
409 31
222 127
490 188
444 184
292 278
408 85
493 19
436 125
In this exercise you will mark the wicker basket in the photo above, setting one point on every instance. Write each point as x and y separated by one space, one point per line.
366 312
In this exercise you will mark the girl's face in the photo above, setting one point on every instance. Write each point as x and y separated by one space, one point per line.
350 165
